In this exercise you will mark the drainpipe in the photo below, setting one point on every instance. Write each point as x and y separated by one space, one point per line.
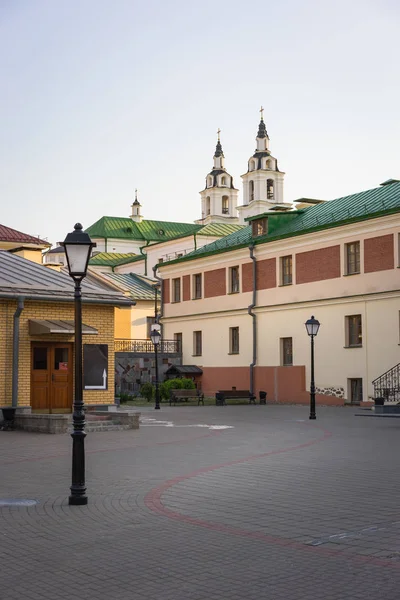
145 257
160 314
195 241
254 317
20 308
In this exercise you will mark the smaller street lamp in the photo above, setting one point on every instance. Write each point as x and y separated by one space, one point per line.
155 336
78 248
312 326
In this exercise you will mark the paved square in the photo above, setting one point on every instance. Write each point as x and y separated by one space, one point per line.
273 506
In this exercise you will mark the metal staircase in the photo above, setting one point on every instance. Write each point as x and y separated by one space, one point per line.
387 386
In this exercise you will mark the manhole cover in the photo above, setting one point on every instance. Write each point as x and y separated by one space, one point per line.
17 502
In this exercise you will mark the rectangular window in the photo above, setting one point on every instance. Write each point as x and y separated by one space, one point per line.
259 227
234 280
286 270
287 352
160 260
353 331
176 290
353 258
178 340
197 291
197 343
149 322
234 340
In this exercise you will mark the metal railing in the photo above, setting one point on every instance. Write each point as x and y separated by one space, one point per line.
387 386
146 346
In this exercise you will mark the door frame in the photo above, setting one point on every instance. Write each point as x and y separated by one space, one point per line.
51 346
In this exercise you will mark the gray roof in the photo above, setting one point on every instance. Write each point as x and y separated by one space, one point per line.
184 369
22 277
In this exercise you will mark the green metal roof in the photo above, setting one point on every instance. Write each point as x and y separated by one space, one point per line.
146 231
347 209
219 229
138 286
112 259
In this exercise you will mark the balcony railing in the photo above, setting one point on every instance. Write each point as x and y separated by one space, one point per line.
146 346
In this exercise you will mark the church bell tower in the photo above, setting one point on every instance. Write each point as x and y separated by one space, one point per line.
263 182
219 197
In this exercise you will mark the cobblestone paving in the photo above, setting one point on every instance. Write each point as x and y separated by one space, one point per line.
274 507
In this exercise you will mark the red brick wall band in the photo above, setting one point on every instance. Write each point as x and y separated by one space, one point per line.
379 253
317 265
284 385
165 294
214 283
186 287
266 275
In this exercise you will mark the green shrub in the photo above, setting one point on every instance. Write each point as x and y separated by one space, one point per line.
188 384
125 398
175 384
147 391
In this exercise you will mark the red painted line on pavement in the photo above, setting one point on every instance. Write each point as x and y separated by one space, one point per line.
153 501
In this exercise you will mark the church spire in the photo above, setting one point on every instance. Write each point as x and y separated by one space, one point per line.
262 135
262 130
218 148
219 154
136 206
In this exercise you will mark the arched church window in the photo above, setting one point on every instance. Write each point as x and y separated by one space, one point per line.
225 205
209 182
223 180
251 190
208 205
268 164
270 189
252 165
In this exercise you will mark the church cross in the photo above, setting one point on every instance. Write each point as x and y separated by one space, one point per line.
262 113
218 132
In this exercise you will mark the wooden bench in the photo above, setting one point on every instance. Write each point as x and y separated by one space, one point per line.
181 395
222 395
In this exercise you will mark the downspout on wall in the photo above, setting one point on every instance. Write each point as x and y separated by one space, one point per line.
254 317
160 313
17 314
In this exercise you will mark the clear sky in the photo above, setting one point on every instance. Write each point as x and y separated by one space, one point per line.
99 97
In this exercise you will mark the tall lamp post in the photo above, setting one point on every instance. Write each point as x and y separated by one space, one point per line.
155 338
78 248
312 326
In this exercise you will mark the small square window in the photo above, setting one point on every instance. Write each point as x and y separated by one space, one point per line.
259 227
234 340
352 258
234 280
286 270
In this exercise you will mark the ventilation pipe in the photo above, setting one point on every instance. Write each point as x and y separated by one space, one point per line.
17 314
254 317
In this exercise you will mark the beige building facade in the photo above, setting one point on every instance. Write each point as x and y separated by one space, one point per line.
240 308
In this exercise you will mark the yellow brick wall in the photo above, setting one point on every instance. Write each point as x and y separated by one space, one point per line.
99 316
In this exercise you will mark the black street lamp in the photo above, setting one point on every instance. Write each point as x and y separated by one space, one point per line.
155 338
312 326
78 248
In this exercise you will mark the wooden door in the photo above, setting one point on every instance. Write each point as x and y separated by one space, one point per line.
51 379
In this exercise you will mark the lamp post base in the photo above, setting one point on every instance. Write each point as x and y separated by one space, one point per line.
313 417
77 500
157 407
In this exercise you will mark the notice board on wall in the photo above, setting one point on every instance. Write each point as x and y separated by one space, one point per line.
95 366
